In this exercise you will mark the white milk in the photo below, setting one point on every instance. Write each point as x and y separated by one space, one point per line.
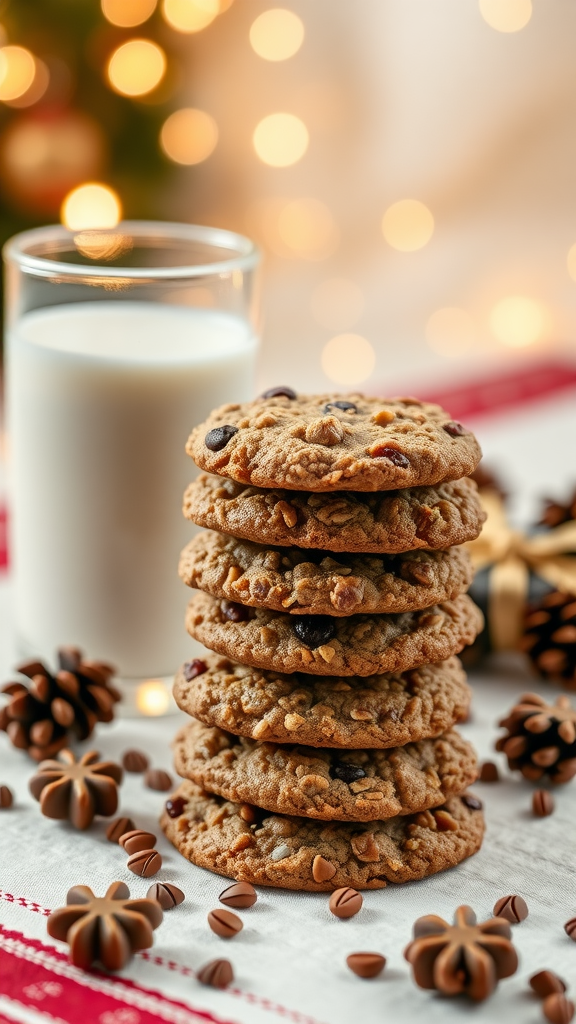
101 399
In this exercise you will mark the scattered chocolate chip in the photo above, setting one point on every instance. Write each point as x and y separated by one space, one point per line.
314 630
512 908
118 828
280 392
570 928
6 798
175 806
366 965
542 803
347 772
558 1009
194 668
137 839
224 923
344 406
135 761
382 451
145 863
166 894
322 869
157 778
239 894
471 801
217 974
234 612
546 983
489 772
454 429
345 902
218 438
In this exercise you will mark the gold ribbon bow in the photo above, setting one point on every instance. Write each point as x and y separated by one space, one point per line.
513 555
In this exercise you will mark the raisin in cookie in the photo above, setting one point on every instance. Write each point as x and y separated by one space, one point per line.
328 442
332 785
426 518
316 583
324 711
242 842
324 645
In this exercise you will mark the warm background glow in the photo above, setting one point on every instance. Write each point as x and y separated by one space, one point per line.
276 34
407 225
517 321
136 67
308 228
17 70
337 304
280 139
571 262
190 15
91 206
506 15
189 136
450 331
127 13
348 359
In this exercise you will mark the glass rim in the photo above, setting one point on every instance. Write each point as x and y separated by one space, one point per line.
247 257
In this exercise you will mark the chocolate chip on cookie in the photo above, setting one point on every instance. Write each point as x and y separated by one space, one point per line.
218 437
314 630
280 392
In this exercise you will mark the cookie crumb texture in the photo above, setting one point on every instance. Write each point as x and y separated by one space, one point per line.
332 785
309 443
357 645
280 851
426 518
316 583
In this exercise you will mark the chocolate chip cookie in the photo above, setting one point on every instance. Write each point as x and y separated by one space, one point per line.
324 645
332 785
324 711
426 518
242 842
328 443
316 583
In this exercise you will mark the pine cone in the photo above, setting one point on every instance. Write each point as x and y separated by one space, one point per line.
540 738
550 637
554 512
41 716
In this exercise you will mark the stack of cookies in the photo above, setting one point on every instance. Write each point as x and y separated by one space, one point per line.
321 750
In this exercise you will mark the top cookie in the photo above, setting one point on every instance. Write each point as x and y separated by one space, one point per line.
331 443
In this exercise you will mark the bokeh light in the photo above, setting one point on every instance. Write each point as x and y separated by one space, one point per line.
276 34
450 331
136 67
408 225
17 71
35 92
189 136
153 698
348 359
571 262
518 321
190 15
280 139
127 13
506 15
91 206
308 228
337 304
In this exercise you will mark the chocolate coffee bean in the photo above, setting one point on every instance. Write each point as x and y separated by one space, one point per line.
344 406
217 974
570 928
6 798
454 429
166 894
145 863
347 772
314 630
239 894
542 803
218 438
158 779
345 902
280 392
175 806
489 772
224 923
234 612
558 1009
135 761
137 840
366 965
512 908
118 828
546 983
194 668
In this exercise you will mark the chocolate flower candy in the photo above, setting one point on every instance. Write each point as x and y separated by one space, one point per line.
107 929
463 957
77 790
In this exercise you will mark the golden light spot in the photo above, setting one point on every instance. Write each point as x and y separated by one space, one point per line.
571 262
337 304
224 5
506 15
152 698
17 71
190 15
518 321
91 206
348 359
189 136
450 331
136 67
127 13
280 139
37 89
408 225
308 228
276 34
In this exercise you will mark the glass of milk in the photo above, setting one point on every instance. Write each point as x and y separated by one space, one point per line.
118 343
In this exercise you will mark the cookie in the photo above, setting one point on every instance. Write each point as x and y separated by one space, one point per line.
328 442
324 645
426 518
325 711
316 583
332 785
241 842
